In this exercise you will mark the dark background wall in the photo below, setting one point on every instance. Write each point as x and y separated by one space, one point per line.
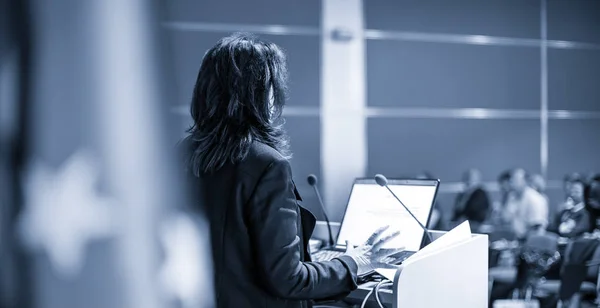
450 84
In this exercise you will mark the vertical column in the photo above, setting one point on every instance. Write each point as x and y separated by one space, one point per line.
543 90
125 66
343 131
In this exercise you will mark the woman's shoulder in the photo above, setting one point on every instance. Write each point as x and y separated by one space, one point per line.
260 157
264 153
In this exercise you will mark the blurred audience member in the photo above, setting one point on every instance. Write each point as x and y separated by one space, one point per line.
437 220
529 206
591 195
568 182
473 203
537 182
573 220
584 249
500 216
567 203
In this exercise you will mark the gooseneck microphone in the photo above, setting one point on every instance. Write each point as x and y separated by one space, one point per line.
312 181
383 182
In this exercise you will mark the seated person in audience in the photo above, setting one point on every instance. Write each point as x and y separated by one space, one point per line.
568 181
537 182
500 216
530 208
437 220
473 203
567 203
591 195
581 250
573 220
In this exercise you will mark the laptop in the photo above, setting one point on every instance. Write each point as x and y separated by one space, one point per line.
371 206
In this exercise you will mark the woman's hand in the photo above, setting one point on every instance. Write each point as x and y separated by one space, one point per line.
372 253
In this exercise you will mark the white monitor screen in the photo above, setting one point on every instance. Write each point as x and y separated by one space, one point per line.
371 206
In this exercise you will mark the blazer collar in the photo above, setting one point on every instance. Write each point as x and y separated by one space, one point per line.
308 220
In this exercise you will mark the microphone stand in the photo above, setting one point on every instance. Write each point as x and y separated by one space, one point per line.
331 242
411 214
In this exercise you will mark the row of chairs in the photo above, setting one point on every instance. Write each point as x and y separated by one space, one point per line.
525 265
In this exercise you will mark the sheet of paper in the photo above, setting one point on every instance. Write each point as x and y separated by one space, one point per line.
388 273
461 233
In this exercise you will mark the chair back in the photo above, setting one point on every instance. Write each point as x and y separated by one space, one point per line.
543 243
502 234
540 252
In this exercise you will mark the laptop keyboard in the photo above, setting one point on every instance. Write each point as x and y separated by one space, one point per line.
400 257
328 255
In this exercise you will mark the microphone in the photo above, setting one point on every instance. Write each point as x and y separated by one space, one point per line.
383 182
312 181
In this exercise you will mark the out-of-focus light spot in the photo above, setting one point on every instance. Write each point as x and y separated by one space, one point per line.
275 29
63 213
561 44
477 113
186 274
480 39
561 114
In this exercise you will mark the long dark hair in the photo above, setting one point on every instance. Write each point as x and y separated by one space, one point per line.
238 99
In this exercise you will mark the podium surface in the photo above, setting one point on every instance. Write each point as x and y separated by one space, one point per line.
454 276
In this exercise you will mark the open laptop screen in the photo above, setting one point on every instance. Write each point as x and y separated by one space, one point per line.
371 206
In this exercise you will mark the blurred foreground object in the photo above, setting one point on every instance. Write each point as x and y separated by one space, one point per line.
103 213
186 260
15 100
84 215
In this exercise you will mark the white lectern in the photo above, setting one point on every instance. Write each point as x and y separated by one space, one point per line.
454 276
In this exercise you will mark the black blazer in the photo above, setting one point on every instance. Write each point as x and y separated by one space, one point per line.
475 208
581 218
259 236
